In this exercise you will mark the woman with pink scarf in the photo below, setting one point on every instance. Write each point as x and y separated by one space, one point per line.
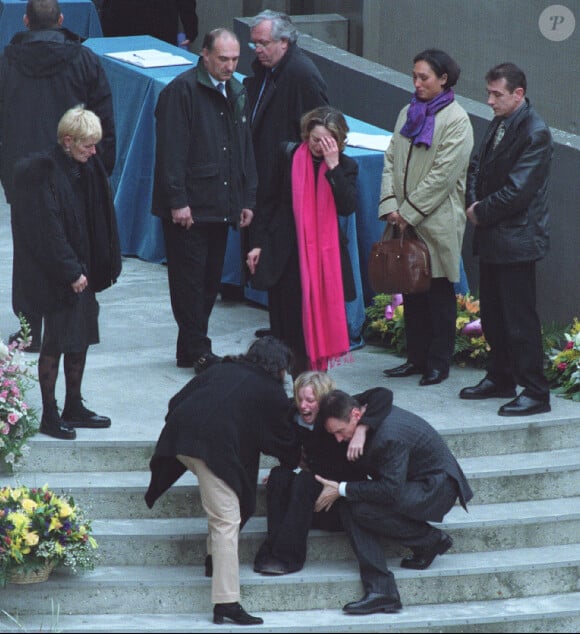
298 250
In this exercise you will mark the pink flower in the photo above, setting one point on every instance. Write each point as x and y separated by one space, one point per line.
562 366
13 418
5 429
569 345
396 300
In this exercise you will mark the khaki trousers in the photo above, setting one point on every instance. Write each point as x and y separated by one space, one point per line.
222 507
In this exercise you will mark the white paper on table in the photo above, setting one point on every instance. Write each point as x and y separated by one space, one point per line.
378 142
150 58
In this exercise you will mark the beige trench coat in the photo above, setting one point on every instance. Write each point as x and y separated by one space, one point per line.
427 187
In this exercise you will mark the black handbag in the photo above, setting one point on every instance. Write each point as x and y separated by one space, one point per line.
399 262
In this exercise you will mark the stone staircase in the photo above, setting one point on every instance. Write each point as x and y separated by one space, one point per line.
513 568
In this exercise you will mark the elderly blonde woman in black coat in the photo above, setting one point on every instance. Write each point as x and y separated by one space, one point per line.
216 427
66 249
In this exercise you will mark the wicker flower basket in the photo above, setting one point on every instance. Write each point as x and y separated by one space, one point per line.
32 576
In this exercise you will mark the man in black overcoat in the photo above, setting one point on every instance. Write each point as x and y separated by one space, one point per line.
285 85
507 202
413 479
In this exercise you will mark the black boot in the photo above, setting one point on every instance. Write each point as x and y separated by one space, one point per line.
235 612
77 415
53 425
208 566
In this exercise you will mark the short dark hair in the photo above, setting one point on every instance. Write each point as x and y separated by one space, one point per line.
336 404
271 355
210 37
514 76
441 63
331 118
42 14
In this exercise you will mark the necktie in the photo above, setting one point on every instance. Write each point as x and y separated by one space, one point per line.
498 134
222 88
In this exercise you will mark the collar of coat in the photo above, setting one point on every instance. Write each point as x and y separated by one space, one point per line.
260 71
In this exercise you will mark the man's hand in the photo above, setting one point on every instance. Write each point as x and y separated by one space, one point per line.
470 213
357 443
246 217
328 495
182 216
252 259
80 284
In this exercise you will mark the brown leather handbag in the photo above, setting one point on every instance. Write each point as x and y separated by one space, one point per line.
399 262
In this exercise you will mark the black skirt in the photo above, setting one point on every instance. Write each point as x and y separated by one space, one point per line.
73 328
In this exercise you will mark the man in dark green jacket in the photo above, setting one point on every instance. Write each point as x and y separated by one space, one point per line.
205 182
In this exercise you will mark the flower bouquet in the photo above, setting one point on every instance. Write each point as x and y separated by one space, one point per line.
563 370
40 530
18 422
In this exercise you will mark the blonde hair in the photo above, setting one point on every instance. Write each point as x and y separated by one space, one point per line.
81 125
330 118
320 383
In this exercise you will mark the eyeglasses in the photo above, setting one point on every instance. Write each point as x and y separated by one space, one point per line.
255 45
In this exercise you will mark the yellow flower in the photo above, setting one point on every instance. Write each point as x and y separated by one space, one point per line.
64 509
29 506
31 538
54 524
19 520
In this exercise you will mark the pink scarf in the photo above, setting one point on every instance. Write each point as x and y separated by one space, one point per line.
323 310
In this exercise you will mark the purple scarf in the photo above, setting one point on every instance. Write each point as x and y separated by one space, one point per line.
420 123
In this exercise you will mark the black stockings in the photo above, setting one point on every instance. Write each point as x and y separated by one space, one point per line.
74 367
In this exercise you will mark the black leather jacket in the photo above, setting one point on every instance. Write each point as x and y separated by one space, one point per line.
511 186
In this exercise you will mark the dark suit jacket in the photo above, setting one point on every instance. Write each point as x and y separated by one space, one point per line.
406 449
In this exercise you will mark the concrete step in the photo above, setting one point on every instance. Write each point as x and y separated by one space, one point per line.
504 478
552 613
480 435
175 541
172 590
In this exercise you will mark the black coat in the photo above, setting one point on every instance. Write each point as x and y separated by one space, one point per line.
56 239
42 75
225 417
296 88
204 153
275 229
511 184
405 448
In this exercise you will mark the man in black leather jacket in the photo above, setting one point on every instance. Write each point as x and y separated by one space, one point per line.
507 201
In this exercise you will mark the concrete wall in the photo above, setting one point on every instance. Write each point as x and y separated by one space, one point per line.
481 34
374 93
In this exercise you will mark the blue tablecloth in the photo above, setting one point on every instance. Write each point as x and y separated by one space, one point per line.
135 92
80 16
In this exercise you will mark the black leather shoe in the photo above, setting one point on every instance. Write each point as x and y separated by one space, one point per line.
432 377
52 424
486 388
234 612
373 602
80 416
272 567
407 369
205 361
524 406
421 561
263 332
208 564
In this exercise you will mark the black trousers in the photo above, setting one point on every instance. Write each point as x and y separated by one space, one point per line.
195 260
512 327
290 502
405 523
430 325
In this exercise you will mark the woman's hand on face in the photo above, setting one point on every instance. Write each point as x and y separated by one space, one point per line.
330 151
79 285
252 259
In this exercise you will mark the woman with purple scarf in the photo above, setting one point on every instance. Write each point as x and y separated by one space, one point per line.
423 185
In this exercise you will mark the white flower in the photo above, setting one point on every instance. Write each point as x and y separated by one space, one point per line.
4 352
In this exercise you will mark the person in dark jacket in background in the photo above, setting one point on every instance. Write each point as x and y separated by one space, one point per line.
413 479
216 426
285 84
66 249
159 18
44 71
507 202
205 182
291 496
